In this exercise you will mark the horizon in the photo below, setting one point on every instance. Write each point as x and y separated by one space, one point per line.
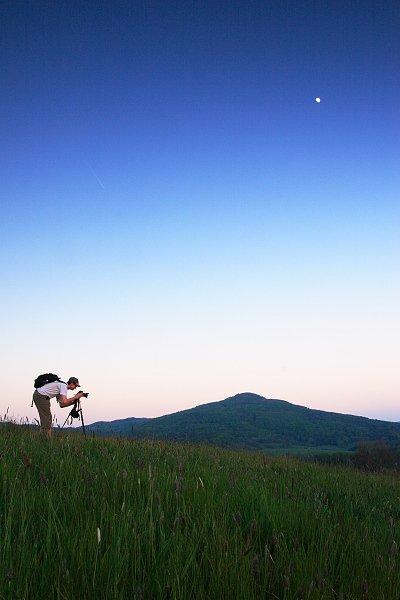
201 199
75 423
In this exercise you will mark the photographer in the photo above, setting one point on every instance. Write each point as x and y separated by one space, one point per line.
58 390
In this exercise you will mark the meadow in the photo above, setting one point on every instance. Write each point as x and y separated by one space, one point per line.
107 518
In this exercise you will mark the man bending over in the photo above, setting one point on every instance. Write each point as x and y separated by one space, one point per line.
58 390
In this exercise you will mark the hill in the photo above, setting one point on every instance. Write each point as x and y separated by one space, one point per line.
252 422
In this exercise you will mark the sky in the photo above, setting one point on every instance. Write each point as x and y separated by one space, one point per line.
182 221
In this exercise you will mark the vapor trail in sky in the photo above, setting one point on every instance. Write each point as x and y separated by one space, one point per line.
98 178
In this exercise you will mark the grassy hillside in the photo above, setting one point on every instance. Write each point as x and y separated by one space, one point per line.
252 422
118 519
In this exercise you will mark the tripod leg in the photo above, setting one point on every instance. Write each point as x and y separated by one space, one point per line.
83 423
62 427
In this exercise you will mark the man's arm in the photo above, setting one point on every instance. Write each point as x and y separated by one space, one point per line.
64 402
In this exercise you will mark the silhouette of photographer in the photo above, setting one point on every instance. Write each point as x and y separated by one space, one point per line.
55 389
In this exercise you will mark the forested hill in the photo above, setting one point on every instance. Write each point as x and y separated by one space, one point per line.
252 422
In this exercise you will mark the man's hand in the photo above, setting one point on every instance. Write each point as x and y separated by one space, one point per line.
64 402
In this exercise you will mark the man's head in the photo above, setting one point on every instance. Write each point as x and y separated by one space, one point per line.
73 383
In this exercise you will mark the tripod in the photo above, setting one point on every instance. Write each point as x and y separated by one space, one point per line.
76 413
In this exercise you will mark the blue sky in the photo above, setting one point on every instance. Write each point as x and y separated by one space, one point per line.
181 221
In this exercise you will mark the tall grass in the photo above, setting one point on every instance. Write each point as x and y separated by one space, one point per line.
112 518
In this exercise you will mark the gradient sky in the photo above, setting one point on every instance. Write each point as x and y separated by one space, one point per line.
181 221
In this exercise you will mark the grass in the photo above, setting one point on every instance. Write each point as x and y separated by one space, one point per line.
114 518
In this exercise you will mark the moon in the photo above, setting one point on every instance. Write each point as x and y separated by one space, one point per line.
318 100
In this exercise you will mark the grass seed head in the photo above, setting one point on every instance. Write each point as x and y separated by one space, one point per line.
168 593
178 485
43 479
26 459
237 517
253 528
326 550
256 567
364 587
180 522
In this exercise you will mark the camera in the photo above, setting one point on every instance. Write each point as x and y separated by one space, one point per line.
85 394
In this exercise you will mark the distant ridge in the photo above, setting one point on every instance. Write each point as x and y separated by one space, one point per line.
250 421
117 427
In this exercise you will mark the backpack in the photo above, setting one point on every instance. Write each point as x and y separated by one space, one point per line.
45 378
